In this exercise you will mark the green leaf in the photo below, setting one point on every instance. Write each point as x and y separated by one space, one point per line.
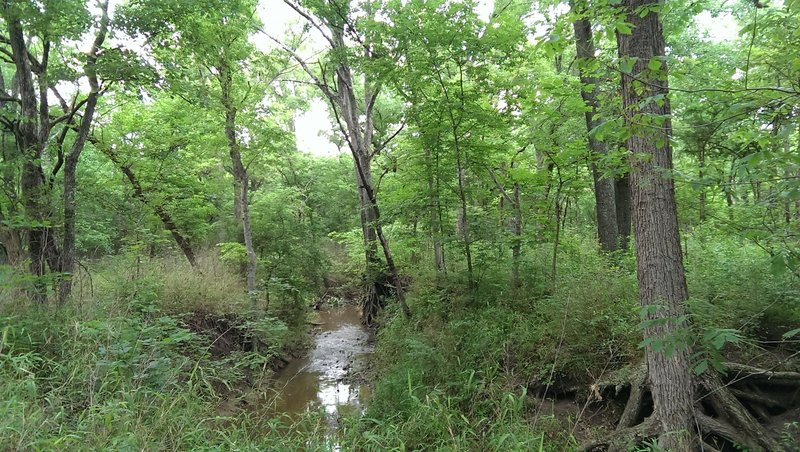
701 367
790 334
654 64
623 28
626 64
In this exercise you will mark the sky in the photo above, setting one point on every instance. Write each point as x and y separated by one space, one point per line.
314 125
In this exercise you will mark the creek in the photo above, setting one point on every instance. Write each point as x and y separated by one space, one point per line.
322 378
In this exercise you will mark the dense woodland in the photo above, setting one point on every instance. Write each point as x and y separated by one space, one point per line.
538 206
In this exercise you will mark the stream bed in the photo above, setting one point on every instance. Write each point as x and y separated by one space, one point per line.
320 379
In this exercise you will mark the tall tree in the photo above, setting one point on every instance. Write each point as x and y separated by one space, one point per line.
35 33
212 41
662 281
354 109
604 189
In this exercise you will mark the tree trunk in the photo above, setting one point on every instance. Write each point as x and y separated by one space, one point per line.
605 207
27 137
435 227
516 231
71 162
241 182
701 173
11 242
622 200
660 272
462 220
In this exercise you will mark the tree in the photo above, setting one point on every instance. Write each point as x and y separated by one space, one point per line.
659 261
212 40
34 35
354 113
604 191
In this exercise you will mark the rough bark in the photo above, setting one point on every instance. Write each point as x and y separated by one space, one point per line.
660 272
27 136
622 200
605 203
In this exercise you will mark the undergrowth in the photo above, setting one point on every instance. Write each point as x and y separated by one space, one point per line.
486 370
128 367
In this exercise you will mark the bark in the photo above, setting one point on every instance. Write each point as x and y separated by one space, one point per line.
27 137
435 227
241 180
71 161
622 200
141 195
11 242
660 271
605 201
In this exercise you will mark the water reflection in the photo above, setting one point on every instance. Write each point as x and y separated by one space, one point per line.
317 380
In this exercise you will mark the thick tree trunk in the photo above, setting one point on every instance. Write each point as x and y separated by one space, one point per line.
27 136
605 205
11 242
662 282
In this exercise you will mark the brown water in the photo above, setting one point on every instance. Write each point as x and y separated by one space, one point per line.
319 380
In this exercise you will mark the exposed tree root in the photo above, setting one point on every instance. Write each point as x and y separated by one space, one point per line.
742 371
727 413
375 295
634 408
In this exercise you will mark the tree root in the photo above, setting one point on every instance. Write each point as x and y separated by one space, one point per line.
635 405
724 413
743 371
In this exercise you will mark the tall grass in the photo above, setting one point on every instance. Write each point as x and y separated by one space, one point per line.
121 369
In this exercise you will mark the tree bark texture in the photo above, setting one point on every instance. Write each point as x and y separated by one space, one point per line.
27 136
605 201
660 272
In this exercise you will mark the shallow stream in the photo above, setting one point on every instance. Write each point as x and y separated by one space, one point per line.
320 379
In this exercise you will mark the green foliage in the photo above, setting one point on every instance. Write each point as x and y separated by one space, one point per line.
133 369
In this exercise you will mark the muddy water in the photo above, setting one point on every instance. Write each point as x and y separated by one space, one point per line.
341 344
